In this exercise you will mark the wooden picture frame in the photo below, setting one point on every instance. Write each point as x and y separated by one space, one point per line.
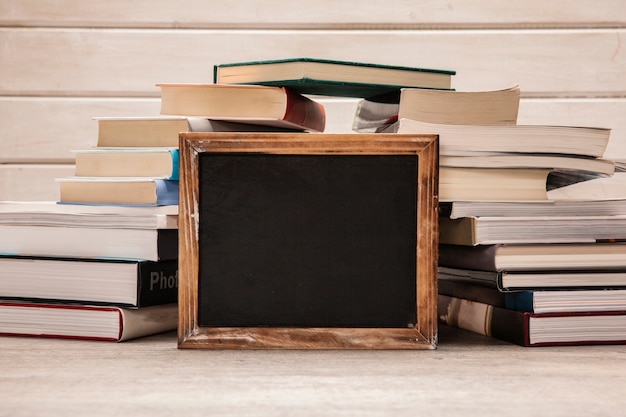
345 209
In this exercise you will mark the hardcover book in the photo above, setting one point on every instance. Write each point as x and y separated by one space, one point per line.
538 279
530 329
527 257
331 77
539 300
104 282
86 322
553 229
89 242
547 208
163 131
130 191
127 162
253 104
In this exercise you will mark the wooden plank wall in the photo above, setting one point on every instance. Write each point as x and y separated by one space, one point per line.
63 62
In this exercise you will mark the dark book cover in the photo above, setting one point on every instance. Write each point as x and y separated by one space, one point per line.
101 282
345 88
532 329
157 283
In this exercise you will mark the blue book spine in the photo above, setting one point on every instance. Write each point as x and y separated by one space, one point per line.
167 192
175 164
519 301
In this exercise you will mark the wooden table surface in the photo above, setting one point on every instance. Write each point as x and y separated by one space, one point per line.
467 374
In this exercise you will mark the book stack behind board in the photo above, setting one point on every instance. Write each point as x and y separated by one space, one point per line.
101 263
517 262
484 153
538 273
520 258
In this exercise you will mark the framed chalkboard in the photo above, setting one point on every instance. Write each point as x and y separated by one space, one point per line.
307 241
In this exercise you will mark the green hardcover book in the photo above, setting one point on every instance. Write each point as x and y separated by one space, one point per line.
332 77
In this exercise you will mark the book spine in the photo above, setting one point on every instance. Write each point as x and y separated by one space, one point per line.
507 325
167 244
147 321
481 257
458 231
304 111
479 293
166 192
520 301
175 165
157 283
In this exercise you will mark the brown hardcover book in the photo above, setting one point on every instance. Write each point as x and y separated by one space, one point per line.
556 229
85 322
527 257
531 329
253 104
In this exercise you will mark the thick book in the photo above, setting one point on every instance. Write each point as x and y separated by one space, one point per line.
515 280
163 131
488 107
130 191
85 322
487 139
598 188
50 213
527 257
555 162
480 184
538 301
88 242
547 208
531 329
332 77
550 229
158 162
94 281
253 104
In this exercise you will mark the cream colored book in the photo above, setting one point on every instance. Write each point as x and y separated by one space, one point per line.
524 160
480 184
132 191
50 213
493 107
127 162
163 131
487 139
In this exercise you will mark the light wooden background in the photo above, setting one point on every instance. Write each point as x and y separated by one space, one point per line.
63 62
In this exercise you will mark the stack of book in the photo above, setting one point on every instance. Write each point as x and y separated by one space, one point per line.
537 294
520 258
102 263
486 155
87 272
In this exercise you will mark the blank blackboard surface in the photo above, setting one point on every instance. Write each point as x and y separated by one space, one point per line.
307 240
